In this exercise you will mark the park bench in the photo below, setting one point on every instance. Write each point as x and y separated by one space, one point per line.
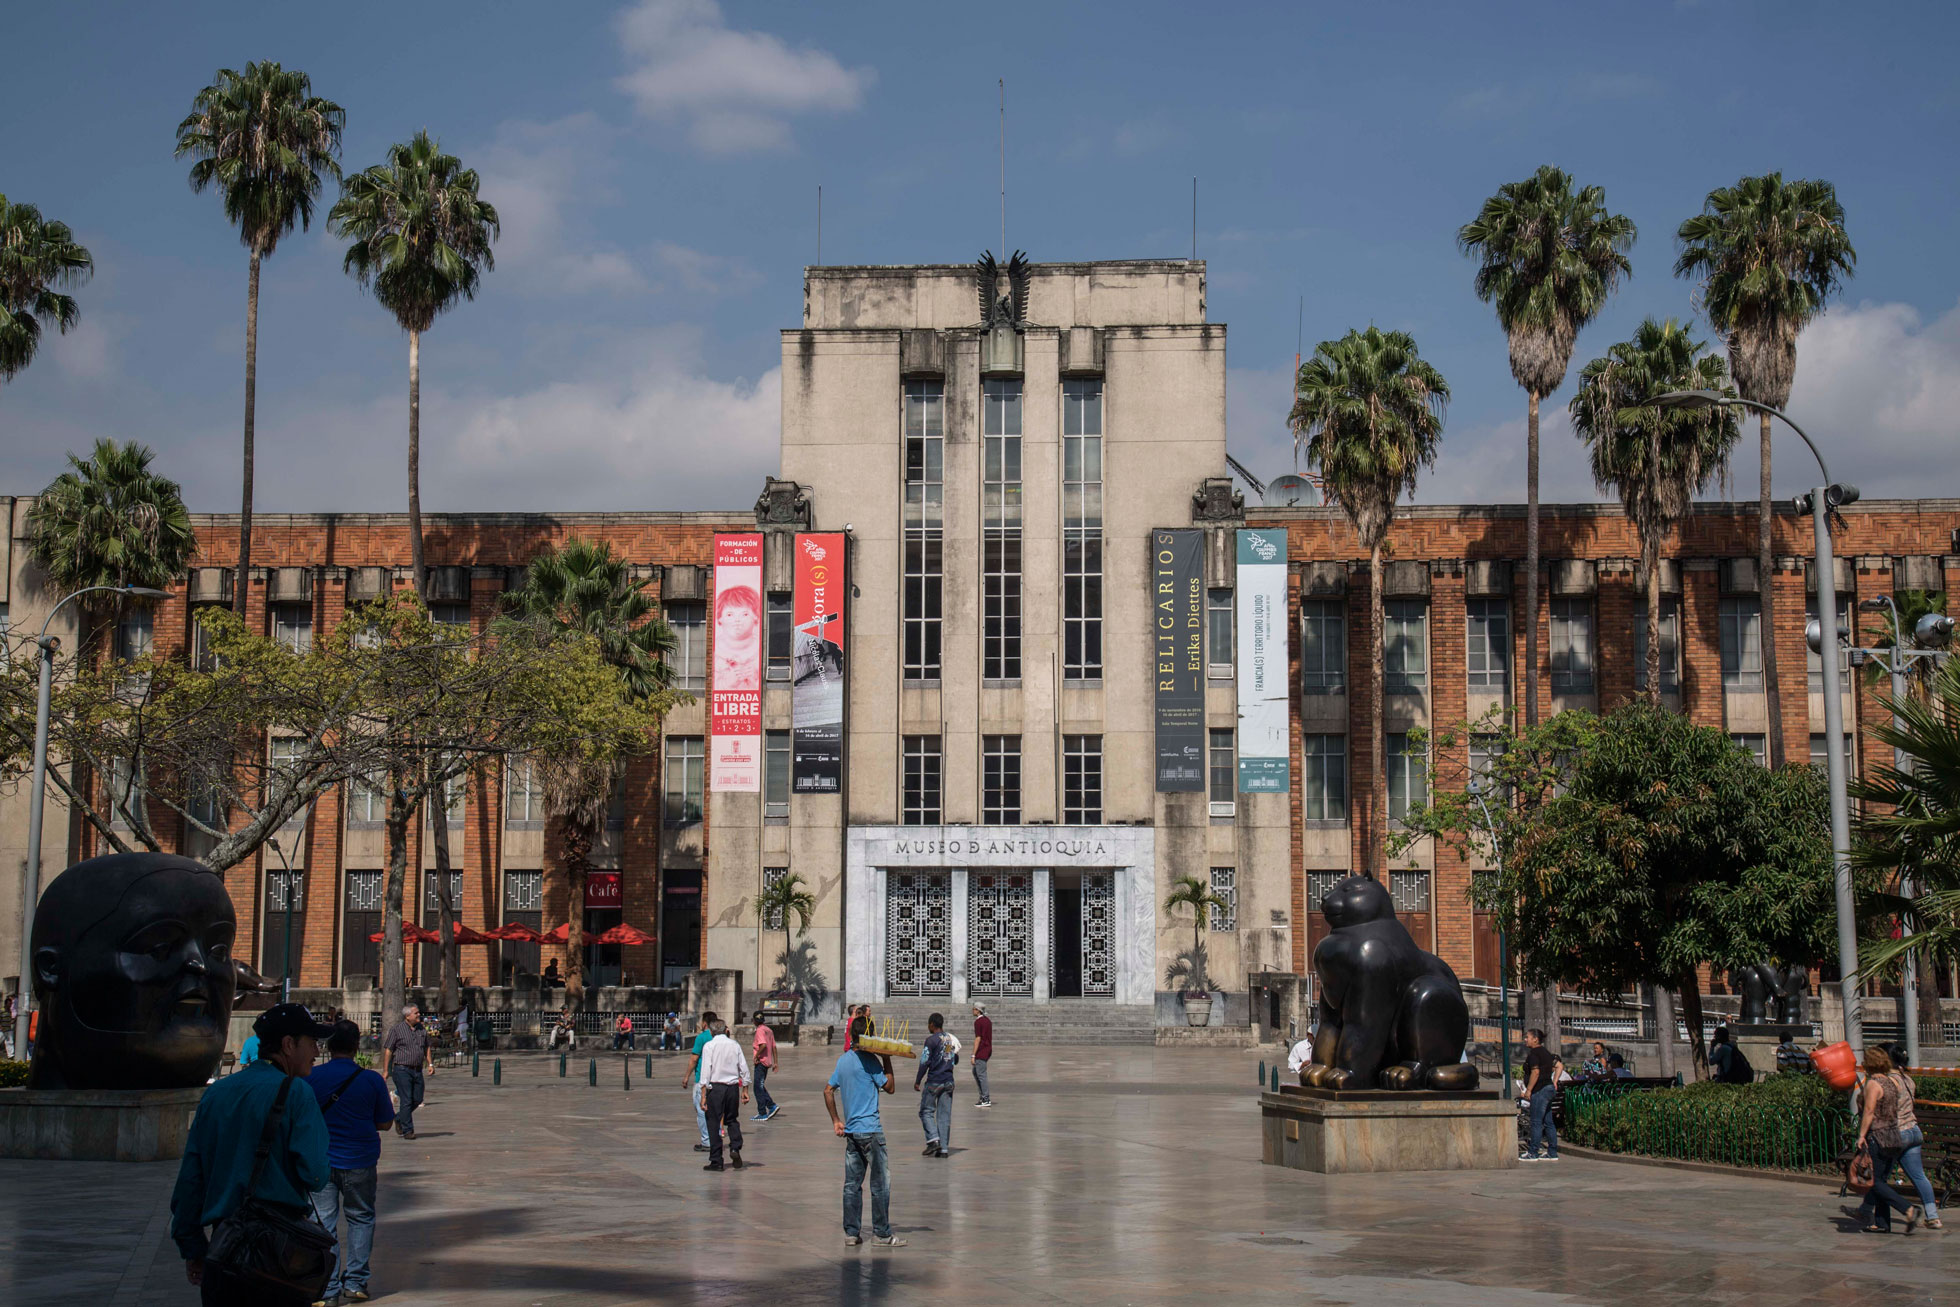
1940 1122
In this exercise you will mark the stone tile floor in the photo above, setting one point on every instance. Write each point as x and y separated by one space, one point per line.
1103 1176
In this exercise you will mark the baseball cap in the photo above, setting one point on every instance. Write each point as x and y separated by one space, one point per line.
284 1019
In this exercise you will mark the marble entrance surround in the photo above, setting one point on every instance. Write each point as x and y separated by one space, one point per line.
871 852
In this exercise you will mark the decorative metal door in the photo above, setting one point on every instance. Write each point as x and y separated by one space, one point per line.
918 930
1000 932
1098 933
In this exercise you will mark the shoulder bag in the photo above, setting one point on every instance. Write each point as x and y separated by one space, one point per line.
265 1245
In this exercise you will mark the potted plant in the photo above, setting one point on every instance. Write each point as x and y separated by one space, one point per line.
1189 891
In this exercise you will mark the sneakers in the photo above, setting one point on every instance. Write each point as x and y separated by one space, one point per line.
760 1116
853 1240
771 1115
932 1146
888 1241
702 1148
985 1102
942 1153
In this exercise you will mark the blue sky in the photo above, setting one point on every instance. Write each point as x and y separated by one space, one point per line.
656 165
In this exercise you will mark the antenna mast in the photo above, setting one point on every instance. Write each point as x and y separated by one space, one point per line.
1003 169
1194 220
819 226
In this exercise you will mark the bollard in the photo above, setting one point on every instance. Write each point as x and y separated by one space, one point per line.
561 1066
476 1064
1275 1077
626 1072
592 1073
497 1072
649 1067
1262 1073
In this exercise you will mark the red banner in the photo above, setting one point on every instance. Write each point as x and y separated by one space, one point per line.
602 890
735 690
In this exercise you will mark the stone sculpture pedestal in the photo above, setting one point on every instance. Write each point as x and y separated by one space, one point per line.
1343 1132
96 1125
1759 1039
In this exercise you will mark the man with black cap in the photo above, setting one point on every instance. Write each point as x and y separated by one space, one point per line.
218 1156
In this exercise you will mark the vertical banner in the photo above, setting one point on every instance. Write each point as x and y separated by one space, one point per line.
1262 662
1178 611
735 690
817 741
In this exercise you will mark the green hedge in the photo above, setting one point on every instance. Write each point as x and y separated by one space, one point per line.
12 1074
1787 1122
1946 1089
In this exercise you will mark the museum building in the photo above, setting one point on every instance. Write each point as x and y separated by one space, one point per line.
1001 655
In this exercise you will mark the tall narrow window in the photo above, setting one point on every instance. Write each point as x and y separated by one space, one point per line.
925 446
1742 643
1756 742
775 773
292 626
1487 642
1323 647
1486 752
681 781
1405 646
1408 776
1000 780
523 905
367 799
523 793
451 622
1225 884
287 755
1323 777
1223 771
1218 632
1670 646
285 905
1000 535
924 798
431 954
359 955
689 660
781 624
1814 662
1818 760
772 877
1082 780
1572 645
1082 539
135 633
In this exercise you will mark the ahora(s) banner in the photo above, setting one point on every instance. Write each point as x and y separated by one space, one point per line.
735 691
1262 662
817 702
1178 662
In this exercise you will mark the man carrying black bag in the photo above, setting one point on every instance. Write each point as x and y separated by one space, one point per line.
257 1150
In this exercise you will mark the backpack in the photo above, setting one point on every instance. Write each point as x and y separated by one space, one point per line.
1739 1072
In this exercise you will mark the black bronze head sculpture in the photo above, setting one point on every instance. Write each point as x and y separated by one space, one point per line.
133 974
1391 1015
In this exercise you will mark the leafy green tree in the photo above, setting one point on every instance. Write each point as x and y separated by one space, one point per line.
38 257
265 141
780 900
1550 255
1657 459
1197 895
1369 412
110 520
420 238
1769 254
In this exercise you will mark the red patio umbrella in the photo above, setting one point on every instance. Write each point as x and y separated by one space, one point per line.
517 933
624 934
464 935
411 934
559 934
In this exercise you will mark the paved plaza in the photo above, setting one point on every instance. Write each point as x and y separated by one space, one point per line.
1106 1176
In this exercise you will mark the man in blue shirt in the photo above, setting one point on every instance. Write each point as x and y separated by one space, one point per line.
936 1098
693 1082
858 1079
354 1102
218 1161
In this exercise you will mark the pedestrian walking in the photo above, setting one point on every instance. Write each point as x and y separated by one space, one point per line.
693 1079
406 1057
623 1033
1889 1130
354 1102
983 1050
934 1081
724 1075
764 1054
858 1079
265 1106
1542 1069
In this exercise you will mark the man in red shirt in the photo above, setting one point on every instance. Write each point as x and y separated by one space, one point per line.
983 1048
764 1056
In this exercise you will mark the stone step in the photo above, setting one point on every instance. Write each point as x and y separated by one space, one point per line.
1023 1021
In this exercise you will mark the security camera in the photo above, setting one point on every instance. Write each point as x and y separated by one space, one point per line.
1933 631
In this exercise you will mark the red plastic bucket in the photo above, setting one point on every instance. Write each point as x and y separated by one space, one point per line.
1836 1064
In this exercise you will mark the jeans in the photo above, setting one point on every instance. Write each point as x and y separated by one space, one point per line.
764 1104
1882 1199
624 1039
724 1112
700 1114
1544 1130
862 1152
353 1192
936 1114
1914 1165
980 1079
408 1087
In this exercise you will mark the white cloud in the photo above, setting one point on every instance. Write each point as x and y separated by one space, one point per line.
706 274
735 90
541 176
91 350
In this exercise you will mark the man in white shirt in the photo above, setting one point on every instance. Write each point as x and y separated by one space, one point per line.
724 1075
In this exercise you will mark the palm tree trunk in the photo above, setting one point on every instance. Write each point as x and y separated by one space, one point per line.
1530 660
1765 586
1650 551
1664 1030
579 839
1377 851
415 464
394 982
448 949
243 581
1691 1016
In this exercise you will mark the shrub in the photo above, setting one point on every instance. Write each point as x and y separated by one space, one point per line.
12 1074
1787 1122
1945 1089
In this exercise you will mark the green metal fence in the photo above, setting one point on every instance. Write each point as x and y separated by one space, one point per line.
1730 1129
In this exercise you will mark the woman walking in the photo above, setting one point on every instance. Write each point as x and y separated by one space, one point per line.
1888 1128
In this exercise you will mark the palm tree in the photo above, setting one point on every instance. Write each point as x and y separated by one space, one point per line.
1203 900
109 520
584 586
778 900
1658 459
1769 253
1551 256
37 258
1369 412
421 238
266 141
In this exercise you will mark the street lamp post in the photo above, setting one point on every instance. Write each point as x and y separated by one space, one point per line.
1503 949
31 879
1818 503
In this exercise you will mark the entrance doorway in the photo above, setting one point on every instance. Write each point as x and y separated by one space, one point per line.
1067 933
1082 934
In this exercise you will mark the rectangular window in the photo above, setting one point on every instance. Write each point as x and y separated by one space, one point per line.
1082 539
123 788
1572 645
1487 642
689 622
1814 662
1486 750
287 757
1000 539
451 622
206 803
1405 646
616 802
1225 884
359 955
1670 646
1742 643
285 908
1323 777
1755 742
1082 780
1218 631
925 491
1408 776
1323 647
771 877
1817 759
135 634
202 658
1223 771
454 788
924 788
523 793
1409 889
367 800
1000 780
775 773
431 954
781 621
523 905
292 626
681 781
